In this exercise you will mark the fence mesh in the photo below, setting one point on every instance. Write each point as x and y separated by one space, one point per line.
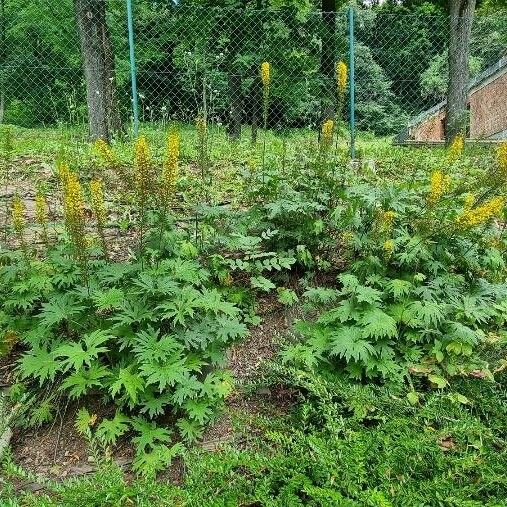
189 58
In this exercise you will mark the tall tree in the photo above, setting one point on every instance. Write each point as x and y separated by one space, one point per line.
461 15
328 58
98 63
2 59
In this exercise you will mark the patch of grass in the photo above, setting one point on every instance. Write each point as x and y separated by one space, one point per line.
344 445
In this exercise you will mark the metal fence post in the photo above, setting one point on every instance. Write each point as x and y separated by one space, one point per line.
133 70
352 91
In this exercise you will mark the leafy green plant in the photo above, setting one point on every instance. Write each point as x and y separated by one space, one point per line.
424 286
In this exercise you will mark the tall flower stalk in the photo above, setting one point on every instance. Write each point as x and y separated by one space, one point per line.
7 147
171 169
201 126
326 136
142 183
98 204
265 72
341 89
41 215
456 149
18 220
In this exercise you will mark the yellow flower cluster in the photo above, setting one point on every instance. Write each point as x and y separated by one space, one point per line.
142 168
18 215
456 149
265 74
386 220
481 214
388 247
105 153
326 139
341 77
171 169
439 184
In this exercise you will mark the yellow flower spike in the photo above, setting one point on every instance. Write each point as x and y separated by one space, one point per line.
18 215
74 211
388 247
326 139
266 74
501 153
341 77
201 127
481 214
456 149
386 220
105 153
171 167
41 209
63 171
41 213
98 202
99 209
439 185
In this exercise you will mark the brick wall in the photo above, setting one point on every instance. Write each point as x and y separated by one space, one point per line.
488 108
430 129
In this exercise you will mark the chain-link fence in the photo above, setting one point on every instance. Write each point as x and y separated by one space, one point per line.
189 59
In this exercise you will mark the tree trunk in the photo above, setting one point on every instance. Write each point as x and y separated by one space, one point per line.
461 19
236 106
2 104
98 64
3 58
327 59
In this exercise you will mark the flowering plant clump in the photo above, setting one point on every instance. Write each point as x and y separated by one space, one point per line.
424 283
147 331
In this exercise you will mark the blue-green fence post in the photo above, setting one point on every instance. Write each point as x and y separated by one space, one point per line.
352 90
133 70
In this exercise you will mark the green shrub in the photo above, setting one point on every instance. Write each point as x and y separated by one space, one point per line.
424 282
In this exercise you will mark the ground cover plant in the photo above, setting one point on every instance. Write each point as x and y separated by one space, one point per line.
142 263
